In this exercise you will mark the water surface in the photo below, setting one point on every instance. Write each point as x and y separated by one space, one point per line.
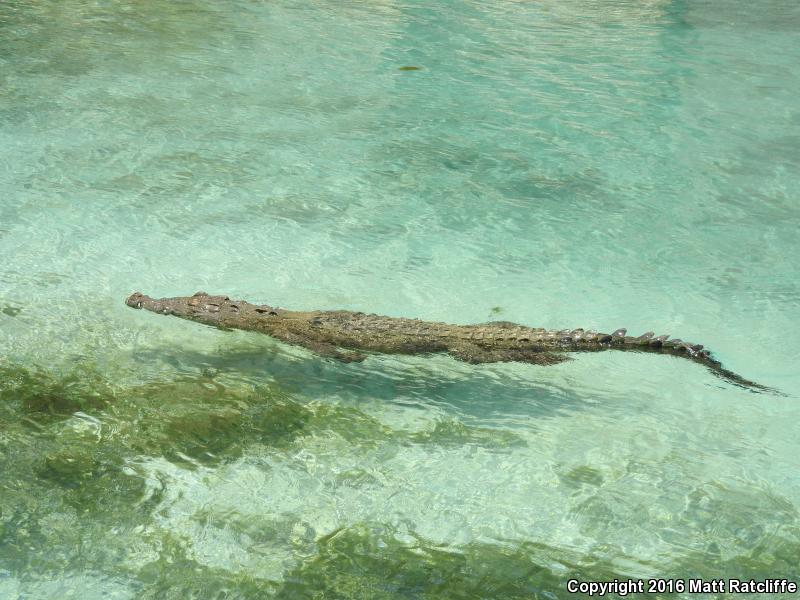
559 164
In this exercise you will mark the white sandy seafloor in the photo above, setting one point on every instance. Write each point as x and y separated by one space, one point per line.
579 164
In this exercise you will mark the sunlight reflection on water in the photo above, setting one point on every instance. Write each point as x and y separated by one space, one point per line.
560 164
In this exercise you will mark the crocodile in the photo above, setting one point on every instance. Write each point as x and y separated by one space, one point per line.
345 335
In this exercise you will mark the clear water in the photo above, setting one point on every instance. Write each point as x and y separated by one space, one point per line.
559 164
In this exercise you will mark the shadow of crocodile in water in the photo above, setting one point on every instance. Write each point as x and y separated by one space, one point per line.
488 393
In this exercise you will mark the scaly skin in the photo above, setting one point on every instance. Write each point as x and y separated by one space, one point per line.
341 334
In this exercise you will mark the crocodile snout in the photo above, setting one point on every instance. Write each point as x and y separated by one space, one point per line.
136 300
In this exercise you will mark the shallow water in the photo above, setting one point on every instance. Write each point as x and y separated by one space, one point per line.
558 164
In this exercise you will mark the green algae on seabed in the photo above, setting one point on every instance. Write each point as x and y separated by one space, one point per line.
453 432
73 449
79 432
203 419
10 310
372 561
40 394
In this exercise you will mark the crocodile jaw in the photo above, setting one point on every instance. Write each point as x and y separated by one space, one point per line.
201 307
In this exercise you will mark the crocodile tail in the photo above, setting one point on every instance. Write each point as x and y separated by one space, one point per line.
662 344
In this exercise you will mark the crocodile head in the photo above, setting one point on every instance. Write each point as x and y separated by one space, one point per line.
200 307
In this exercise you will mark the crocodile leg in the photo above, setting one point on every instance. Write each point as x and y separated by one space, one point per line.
474 354
321 348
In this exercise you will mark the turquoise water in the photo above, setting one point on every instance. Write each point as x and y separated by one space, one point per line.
559 164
